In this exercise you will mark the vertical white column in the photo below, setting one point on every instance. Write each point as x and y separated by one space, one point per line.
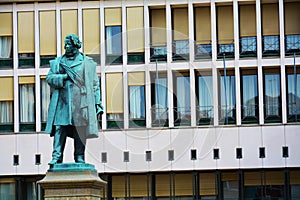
124 33
282 66
103 95
170 98
15 66
146 32
37 66
213 30
169 31
236 29
102 37
125 82
258 31
238 94
58 29
191 31
79 19
260 78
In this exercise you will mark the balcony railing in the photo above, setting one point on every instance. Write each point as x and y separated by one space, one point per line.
225 47
182 116
205 115
292 44
158 52
160 117
293 112
270 46
181 50
250 114
203 49
248 47
272 113
227 114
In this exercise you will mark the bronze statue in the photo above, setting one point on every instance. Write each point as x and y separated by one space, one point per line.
75 100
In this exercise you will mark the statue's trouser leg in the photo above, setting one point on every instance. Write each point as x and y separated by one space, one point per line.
79 143
59 142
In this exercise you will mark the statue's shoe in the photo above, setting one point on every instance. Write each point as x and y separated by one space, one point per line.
79 159
55 161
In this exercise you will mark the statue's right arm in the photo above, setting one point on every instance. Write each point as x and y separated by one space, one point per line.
54 78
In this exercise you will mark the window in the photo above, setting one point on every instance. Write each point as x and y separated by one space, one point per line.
205 108
8 189
114 45
6 104
47 37
113 35
227 101
293 92
159 100
230 182
114 100
27 103
182 102
225 31
136 90
249 96
247 20
292 30
270 29
135 35
180 34
26 39
203 33
295 184
272 95
6 34
45 100
158 49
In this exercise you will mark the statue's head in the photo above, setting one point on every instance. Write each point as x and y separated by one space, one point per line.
72 45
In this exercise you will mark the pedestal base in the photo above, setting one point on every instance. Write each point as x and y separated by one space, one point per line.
72 181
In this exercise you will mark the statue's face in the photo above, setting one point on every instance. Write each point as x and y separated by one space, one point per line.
70 49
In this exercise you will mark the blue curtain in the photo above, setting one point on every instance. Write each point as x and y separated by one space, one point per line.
293 99
183 95
161 98
228 97
113 40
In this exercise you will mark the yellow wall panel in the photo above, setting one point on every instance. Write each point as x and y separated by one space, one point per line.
6 27
225 24
136 78
162 185
138 186
69 24
114 93
113 16
292 17
26 80
181 24
6 88
295 177
26 32
270 19
247 20
183 184
207 184
47 33
203 25
135 29
91 31
158 27
118 186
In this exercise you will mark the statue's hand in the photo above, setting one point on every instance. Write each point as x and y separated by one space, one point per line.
65 76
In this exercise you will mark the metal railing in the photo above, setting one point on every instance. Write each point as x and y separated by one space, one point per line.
272 113
227 114
250 113
182 116
158 52
292 44
205 115
248 46
226 49
180 49
160 117
270 45
293 110
203 49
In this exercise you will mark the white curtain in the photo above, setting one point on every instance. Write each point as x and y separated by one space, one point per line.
272 94
6 112
45 99
5 46
183 95
228 98
293 99
249 95
205 96
27 103
7 191
137 102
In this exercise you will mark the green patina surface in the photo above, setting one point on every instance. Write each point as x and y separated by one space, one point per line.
72 167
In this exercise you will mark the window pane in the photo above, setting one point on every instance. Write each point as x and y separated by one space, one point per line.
137 105
160 101
7 191
183 102
205 98
6 112
293 97
227 104
45 100
272 98
249 99
113 40
27 107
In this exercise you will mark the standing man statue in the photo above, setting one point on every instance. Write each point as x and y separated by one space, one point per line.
75 101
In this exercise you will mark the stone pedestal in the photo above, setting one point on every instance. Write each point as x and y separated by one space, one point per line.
72 181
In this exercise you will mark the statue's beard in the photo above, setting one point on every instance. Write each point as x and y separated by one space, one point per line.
71 52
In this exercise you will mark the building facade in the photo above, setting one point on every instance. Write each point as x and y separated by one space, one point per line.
201 97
